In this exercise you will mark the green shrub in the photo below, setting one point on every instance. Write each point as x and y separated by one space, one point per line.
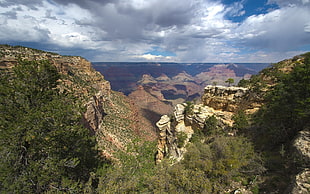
189 108
44 144
210 126
240 120
181 139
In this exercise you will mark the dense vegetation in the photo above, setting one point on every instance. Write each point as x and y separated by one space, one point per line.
284 88
208 167
44 148
287 104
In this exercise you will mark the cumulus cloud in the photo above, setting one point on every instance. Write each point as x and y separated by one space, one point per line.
150 57
289 2
281 29
124 30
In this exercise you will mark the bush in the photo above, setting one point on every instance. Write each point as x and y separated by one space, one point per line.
42 143
210 125
181 139
287 106
240 120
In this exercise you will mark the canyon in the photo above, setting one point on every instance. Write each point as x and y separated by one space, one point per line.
154 107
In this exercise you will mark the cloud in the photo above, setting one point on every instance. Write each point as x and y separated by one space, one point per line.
289 2
125 30
150 57
280 30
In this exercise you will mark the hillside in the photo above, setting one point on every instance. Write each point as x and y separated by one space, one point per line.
63 130
271 110
125 77
110 115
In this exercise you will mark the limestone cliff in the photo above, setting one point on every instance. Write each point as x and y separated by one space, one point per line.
223 102
109 115
218 101
300 149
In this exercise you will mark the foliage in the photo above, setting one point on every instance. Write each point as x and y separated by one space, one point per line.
189 108
288 104
181 139
240 121
42 143
230 81
244 83
223 159
134 167
210 126
206 168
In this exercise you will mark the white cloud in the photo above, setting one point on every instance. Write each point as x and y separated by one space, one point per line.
283 29
122 30
289 2
150 57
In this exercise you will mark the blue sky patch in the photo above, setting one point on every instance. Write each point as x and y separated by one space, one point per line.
250 7
158 51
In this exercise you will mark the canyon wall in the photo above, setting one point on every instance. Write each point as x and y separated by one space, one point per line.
217 101
111 116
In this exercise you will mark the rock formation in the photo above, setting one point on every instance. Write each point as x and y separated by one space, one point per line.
218 101
301 152
301 183
151 103
109 115
224 98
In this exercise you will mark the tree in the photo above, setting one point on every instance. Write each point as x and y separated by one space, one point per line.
287 106
230 81
42 143
243 83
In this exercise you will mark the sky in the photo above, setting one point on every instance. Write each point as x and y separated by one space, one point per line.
214 31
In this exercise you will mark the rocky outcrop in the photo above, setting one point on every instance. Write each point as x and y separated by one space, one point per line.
218 101
224 98
301 183
110 116
301 153
164 137
301 147
169 134
174 133
181 128
94 114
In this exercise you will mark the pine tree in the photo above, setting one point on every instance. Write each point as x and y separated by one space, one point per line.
42 143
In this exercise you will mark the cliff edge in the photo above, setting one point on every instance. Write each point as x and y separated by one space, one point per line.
109 115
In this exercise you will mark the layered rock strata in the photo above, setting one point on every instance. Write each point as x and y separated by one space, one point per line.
224 98
109 115
218 101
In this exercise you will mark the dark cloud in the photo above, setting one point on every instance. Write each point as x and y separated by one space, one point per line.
173 13
290 2
194 30
32 4
10 15
86 4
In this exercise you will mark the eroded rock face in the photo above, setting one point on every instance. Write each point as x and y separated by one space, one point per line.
164 127
181 128
301 147
301 151
301 183
224 98
94 114
218 101
169 131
